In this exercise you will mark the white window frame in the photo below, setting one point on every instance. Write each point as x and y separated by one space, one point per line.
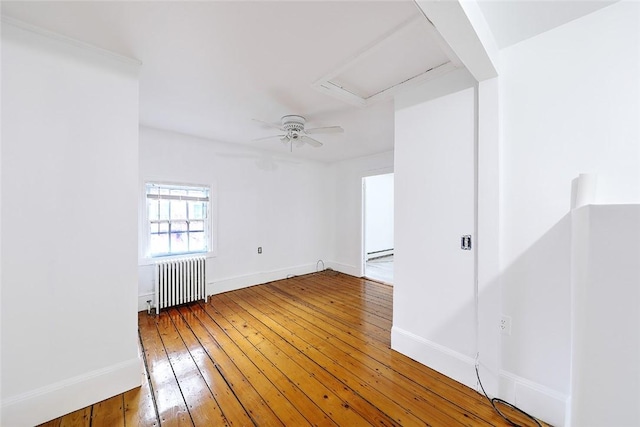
210 223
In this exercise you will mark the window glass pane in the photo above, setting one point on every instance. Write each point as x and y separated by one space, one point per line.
153 209
152 190
197 242
178 209
196 225
179 242
164 209
197 210
178 226
159 244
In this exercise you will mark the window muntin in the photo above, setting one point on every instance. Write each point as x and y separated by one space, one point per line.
178 219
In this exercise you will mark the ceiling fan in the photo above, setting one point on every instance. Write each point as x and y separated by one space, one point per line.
293 130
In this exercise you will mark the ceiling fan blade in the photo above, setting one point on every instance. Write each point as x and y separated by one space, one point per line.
312 142
271 125
328 129
269 137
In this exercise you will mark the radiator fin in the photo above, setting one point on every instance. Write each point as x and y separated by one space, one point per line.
179 281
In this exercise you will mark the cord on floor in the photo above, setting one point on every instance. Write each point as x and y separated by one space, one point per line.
496 400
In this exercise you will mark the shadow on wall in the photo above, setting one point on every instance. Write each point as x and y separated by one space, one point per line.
536 294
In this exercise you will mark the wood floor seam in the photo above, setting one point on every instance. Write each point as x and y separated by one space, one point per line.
310 350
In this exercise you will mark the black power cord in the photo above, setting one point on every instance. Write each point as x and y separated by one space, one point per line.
505 403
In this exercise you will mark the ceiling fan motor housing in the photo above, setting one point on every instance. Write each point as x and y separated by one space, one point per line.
293 123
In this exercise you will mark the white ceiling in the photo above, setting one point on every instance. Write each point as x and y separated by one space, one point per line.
210 67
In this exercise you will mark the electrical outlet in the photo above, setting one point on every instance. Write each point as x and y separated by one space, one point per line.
259 249
505 325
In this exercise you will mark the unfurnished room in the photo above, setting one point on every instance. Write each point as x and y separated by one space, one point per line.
336 213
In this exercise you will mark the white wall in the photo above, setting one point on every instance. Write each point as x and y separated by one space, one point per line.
346 227
378 200
69 209
605 317
434 318
263 199
418 166
488 234
570 102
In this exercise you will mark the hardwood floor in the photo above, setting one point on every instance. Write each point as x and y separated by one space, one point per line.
310 350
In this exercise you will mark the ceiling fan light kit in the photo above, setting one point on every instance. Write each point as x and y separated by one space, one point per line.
294 130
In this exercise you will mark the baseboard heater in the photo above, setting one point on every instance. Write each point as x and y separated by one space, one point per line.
179 281
379 254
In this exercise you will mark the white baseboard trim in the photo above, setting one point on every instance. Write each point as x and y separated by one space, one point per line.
218 286
448 362
143 298
540 401
547 404
345 268
54 400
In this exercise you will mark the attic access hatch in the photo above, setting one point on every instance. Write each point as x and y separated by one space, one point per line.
411 53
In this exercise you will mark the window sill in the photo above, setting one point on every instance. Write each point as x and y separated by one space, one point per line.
151 261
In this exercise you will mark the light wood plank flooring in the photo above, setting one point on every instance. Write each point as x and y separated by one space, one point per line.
310 350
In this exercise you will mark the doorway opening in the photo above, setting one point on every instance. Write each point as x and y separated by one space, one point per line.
377 220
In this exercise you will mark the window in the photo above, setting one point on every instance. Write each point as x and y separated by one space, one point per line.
178 219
